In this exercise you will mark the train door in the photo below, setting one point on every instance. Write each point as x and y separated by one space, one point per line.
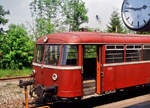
99 75
91 69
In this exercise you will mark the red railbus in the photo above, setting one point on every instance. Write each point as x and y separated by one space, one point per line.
76 65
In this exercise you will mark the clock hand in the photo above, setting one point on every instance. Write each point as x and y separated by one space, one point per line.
135 9
144 7
131 8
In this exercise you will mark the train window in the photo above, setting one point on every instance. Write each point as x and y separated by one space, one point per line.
119 47
110 47
146 46
137 46
52 54
146 52
39 52
90 51
115 55
133 53
130 46
69 55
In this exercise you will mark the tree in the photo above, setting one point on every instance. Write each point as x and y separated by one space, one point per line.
146 33
44 13
56 15
75 13
115 24
17 50
3 20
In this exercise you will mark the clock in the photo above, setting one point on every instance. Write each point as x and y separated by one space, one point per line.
136 14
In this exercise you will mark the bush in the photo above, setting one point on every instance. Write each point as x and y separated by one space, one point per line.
17 48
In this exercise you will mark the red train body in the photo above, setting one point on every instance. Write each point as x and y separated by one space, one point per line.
81 64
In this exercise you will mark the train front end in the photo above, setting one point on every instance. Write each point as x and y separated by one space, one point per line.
56 71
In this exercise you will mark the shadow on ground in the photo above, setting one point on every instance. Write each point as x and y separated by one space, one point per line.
98 101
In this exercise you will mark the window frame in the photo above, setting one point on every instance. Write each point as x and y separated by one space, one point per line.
35 51
135 49
115 49
61 55
136 46
143 48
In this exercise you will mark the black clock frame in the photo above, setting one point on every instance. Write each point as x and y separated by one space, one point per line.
144 28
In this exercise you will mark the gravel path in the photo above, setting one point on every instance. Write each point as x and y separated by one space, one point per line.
11 95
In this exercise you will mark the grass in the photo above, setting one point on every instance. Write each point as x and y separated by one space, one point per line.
5 73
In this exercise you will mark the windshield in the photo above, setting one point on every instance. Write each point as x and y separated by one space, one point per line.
69 55
52 54
39 53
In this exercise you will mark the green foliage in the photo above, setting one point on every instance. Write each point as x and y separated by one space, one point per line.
44 27
17 48
143 33
90 51
115 24
56 15
75 13
44 13
3 20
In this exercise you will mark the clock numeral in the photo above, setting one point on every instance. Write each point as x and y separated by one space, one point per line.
132 23
127 3
127 18
144 21
138 24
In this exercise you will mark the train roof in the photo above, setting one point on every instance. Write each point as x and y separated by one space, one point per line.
93 38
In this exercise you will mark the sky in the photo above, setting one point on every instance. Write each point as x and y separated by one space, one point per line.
20 12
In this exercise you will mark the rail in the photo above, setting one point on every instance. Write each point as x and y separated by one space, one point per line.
11 78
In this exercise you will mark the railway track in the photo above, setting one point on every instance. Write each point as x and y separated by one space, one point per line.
87 103
12 78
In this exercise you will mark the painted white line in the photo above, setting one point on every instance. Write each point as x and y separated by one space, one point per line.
57 67
127 63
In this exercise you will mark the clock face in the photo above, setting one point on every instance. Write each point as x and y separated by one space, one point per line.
136 14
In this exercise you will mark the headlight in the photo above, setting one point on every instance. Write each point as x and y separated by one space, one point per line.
33 71
54 77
